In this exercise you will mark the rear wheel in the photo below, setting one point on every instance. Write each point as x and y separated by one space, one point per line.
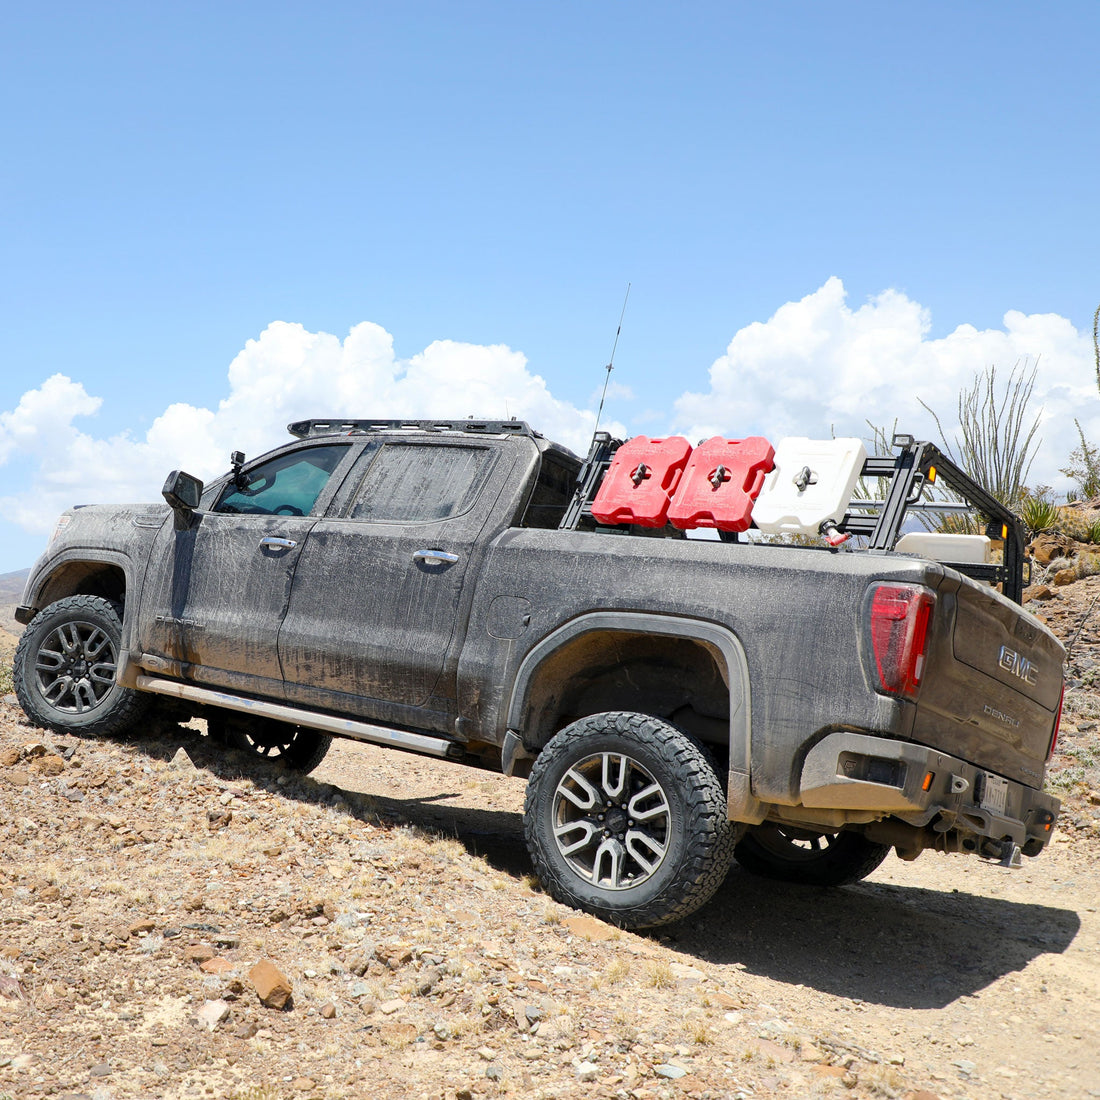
64 669
808 856
626 818
295 747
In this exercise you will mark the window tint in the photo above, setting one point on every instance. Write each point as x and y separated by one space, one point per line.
288 485
416 483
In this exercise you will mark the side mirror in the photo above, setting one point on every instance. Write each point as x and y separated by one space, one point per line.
183 492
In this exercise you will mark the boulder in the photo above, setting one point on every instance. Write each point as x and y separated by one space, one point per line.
1050 545
271 984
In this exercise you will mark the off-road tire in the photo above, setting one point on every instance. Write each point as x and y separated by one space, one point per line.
807 856
64 669
682 823
295 747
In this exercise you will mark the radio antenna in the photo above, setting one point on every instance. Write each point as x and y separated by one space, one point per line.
610 363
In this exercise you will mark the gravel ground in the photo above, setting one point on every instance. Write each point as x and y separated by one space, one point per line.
143 881
154 892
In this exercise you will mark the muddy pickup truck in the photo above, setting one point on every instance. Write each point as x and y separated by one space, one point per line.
802 701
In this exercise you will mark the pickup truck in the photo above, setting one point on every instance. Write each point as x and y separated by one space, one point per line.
674 702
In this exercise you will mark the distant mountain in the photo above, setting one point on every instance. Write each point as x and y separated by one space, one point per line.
11 592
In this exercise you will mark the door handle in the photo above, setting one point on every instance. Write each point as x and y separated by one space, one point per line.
277 543
435 557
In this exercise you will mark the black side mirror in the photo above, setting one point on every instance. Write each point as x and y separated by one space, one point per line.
183 492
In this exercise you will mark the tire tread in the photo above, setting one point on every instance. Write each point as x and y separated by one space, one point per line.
850 858
125 705
710 837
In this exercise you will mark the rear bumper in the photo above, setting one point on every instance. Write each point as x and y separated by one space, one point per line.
925 787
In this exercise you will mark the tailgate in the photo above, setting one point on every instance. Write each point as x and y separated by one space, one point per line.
993 684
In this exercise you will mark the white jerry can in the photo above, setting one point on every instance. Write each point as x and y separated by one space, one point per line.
810 486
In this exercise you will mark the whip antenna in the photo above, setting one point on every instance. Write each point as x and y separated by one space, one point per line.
610 363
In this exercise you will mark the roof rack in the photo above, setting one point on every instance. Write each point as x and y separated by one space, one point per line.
303 429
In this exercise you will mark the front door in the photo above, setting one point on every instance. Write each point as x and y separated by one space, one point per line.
216 593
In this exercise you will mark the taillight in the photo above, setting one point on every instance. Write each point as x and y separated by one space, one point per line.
1057 723
899 631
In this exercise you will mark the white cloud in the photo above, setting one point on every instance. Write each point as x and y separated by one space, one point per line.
815 365
818 365
288 373
43 417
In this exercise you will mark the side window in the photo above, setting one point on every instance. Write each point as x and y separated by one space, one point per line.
286 486
418 483
554 489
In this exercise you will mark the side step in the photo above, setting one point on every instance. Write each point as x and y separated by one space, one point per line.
345 727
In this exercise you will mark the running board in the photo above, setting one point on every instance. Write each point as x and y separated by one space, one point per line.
344 727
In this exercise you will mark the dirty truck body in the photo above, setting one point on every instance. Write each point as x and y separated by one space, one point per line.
670 699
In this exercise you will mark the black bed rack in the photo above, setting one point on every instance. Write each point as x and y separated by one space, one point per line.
918 465
915 467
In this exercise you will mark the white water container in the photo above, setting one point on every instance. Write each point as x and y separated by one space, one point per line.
811 485
969 549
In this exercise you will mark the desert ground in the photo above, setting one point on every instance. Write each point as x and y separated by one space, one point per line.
180 921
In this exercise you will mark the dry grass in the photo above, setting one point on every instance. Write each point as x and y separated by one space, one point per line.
617 971
660 975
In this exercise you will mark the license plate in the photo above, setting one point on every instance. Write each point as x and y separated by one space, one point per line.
994 793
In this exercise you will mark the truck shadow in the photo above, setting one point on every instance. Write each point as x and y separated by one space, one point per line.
880 943
885 944
892 945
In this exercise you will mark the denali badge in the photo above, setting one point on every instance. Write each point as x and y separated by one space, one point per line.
1000 716
1011 661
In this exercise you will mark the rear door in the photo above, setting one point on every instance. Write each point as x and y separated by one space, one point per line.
215 594
376 601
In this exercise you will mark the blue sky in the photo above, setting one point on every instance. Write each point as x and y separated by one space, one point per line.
463 176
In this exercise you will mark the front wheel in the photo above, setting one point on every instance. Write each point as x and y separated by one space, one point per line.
809 856
626 818
295 747
64 669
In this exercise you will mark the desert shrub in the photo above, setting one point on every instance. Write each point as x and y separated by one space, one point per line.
1039 513
1086 565
995 440
1072 523
1096 341
1084 467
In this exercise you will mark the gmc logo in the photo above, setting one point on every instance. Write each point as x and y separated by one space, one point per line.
1019 666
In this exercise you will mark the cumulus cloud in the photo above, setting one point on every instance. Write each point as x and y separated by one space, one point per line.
44 416
284 375
818 365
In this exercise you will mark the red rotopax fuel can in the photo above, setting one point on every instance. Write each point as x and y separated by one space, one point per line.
640 481
720 483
